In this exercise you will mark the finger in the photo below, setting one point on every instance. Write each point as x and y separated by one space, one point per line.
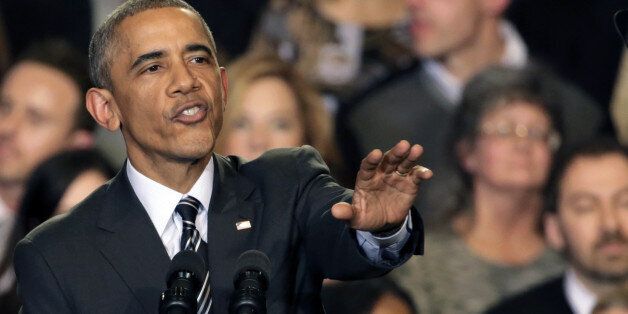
342 211
369 164
411 160
420 173
395 156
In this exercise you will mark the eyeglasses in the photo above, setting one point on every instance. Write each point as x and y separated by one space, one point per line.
513 131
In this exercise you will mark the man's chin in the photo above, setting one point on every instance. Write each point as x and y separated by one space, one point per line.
606 274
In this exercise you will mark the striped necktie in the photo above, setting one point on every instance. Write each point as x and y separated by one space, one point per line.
188 208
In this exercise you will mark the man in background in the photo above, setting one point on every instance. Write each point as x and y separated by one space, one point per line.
587 220
42 111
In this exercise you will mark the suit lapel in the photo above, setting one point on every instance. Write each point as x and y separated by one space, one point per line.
131 244
235 201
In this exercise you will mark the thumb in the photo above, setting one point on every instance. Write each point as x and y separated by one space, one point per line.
342 211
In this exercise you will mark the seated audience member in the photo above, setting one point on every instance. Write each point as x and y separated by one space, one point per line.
587 219
342 47
42 112
271 106
453 40
55 186
504 139
375 296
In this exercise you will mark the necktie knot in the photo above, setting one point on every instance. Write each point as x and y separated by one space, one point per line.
188 208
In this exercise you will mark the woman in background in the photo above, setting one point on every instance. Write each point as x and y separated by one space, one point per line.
271 106
55 186
504 139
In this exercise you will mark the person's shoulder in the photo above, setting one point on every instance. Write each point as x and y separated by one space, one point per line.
69 226
282 157
546 297
397 85
281 163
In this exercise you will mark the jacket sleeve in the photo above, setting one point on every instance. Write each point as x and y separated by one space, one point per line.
37 286
331 246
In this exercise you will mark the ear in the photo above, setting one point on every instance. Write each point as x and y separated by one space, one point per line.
103 108
553 232
81 139
495 8
466 157
224 81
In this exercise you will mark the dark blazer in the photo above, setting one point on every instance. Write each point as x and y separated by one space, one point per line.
106 256
546 298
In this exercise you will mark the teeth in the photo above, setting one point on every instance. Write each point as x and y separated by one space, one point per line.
191 111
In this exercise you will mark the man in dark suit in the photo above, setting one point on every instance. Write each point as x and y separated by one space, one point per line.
587 219
154 66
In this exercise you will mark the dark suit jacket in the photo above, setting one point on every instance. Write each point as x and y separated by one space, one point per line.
546 298
106 256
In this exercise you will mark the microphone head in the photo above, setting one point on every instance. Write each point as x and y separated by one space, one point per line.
253 260
190 261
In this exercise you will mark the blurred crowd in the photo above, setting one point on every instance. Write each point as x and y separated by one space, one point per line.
521 107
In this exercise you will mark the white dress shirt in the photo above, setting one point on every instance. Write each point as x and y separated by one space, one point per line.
580 299
160 201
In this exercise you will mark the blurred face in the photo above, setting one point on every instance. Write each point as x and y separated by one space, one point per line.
268 118
37 109
169 91
440 27
512 149
593 216
79 189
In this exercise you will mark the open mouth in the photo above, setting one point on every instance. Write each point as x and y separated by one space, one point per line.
192 113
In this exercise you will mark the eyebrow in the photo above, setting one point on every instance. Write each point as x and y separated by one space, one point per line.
160 53
198 47
146 57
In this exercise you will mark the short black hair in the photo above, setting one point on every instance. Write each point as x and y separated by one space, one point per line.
106 36
62 56
566 156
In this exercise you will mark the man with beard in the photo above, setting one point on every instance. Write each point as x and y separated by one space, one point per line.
586 219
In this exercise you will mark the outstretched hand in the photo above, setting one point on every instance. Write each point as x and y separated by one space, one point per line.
385 188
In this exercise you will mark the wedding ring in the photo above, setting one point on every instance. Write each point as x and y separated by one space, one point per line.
401 174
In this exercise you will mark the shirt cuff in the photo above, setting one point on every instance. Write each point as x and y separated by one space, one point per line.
378 248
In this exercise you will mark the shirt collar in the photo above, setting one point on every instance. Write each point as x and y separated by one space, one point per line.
159 200
515 50
515 55
580 299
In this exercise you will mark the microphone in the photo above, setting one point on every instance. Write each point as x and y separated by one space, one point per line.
250 281
184 279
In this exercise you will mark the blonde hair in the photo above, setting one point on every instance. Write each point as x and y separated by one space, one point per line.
317 122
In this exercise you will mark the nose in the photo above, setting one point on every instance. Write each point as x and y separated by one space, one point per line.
183 80
258 140
609 218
